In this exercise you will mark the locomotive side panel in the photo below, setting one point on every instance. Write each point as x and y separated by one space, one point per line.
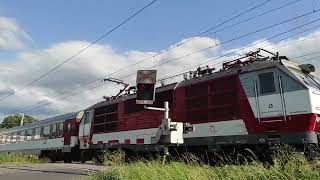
252 107
128 123
215 112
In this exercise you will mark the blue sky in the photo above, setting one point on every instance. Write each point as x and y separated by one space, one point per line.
163 24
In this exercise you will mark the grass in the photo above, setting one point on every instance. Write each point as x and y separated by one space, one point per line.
19 158
286 165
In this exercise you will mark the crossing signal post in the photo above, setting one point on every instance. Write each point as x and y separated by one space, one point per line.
146 80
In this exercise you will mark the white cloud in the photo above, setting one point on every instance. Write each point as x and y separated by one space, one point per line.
100 60
12 36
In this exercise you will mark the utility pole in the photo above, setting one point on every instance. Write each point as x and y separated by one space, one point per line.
22 118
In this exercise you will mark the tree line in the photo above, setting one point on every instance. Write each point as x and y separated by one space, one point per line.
15 120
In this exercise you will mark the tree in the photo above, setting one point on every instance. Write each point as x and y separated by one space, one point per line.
13 121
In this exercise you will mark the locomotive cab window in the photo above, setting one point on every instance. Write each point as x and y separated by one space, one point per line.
267 83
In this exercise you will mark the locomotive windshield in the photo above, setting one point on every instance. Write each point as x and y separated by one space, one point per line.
309 79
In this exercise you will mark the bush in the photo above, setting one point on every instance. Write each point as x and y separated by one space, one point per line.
19 158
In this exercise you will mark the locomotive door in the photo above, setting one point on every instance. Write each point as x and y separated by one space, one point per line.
85 129
67 132
269 98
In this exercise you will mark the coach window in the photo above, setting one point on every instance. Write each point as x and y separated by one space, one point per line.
22 136
26 135
53 130
37 133
41 134
14 137
46 132
3 139
33 133
18 136
267 83
59 129
29 134
8 138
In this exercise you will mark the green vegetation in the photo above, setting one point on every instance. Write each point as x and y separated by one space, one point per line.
13 121
287 165
19 158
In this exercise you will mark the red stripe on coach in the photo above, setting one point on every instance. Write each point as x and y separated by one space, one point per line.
140 141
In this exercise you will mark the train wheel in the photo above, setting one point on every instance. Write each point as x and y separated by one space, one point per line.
67 158
83 157
52 157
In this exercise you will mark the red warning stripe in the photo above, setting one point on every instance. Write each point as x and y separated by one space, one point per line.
140 141
127 141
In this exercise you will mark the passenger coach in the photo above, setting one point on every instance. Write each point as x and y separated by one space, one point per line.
54 138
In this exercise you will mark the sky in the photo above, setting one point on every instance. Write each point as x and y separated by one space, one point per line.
37 35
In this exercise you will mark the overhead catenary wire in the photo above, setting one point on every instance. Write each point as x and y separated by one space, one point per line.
253 17
238 50
310 59
81 51
63 98
178 45
265 40
77 93
278 40
88 103
134 73
296 41
306 54
279 46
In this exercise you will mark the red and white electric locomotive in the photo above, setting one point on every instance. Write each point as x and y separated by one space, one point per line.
252 101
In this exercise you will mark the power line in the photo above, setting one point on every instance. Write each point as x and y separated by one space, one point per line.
238 50
253 17
255 43
157 65
63 98
284 38
189 40
306 54
309 59
297 41
82 50
239 37
178 45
